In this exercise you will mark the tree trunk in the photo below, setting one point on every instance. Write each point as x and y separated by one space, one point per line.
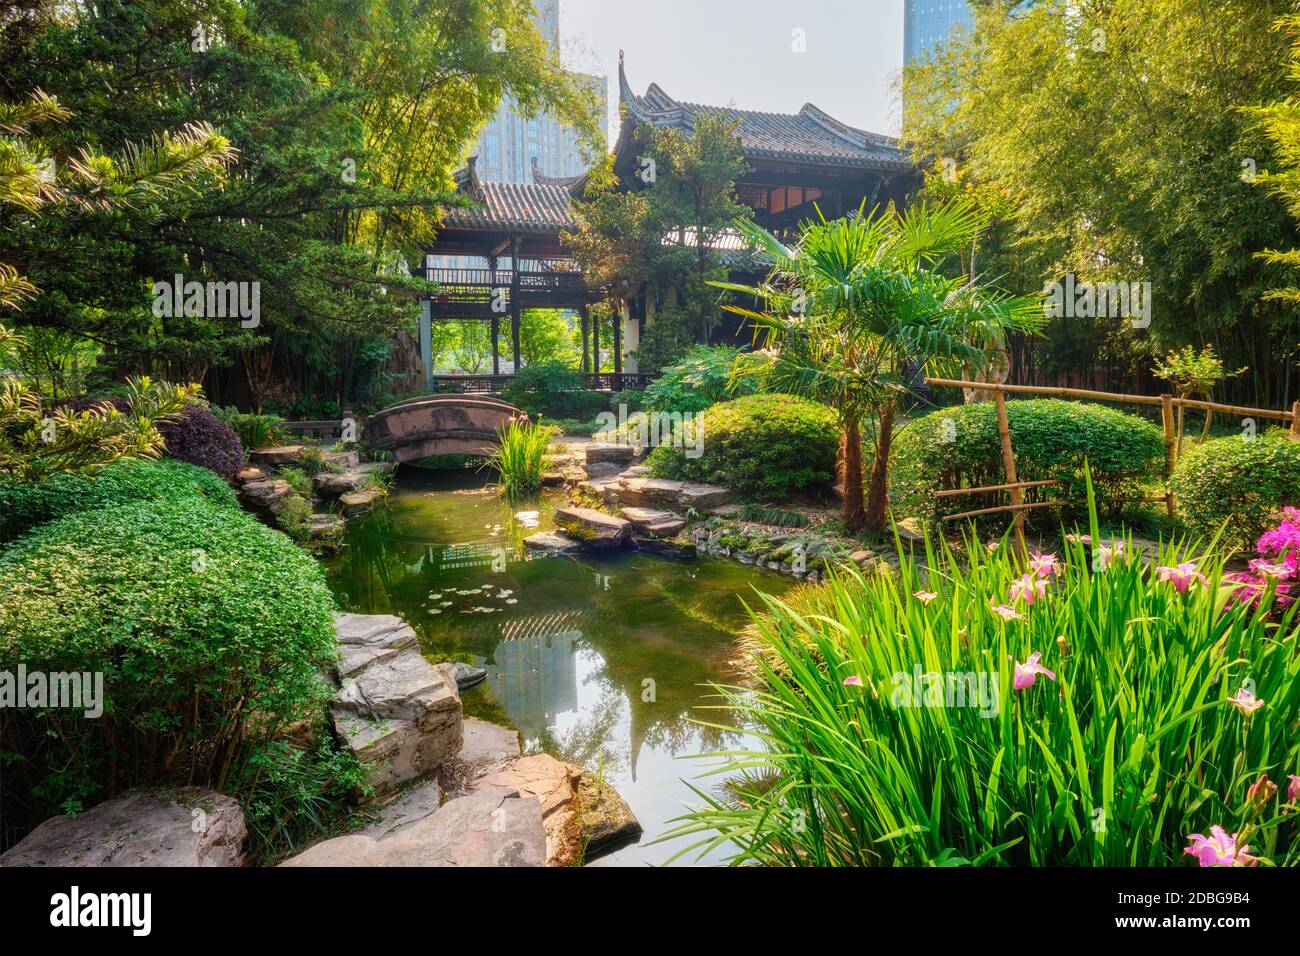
878 501
851 476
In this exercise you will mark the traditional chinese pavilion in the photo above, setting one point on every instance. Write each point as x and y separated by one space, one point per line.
795 160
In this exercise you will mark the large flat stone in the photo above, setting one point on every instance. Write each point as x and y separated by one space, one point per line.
653 522
395 751
702 497
492 827
609 452
550 542
184 827
266 497
277 456
328 484
487 743
593 528
402 687
661 493
360 502
555 786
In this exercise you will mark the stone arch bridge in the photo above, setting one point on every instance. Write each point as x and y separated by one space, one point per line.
438 425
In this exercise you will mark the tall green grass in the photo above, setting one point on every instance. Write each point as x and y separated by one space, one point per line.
523 450
1133 747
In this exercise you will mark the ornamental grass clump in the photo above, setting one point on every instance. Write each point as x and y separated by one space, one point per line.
1054 709
523 451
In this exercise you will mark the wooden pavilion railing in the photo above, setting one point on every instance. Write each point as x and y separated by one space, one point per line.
601 381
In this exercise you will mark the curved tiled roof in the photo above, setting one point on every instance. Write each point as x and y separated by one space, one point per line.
527 207
808 136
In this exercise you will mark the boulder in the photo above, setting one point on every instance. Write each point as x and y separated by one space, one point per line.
606 822
593 528
602 469
403 687
654 523
277 456
492 827
555 787
702 497
467 675
549 542
340 460
190 826
611 453
552 479
678 547
326 529
266 497
330 485
365 639
726 511
245 475
360 502
649 492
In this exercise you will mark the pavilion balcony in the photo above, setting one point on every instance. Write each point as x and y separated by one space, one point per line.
474 290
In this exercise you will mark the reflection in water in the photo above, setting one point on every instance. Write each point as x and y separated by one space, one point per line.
600 660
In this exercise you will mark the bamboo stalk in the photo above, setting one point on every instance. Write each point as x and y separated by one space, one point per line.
1009 466
1024 506
1171 451
971 491
1295 421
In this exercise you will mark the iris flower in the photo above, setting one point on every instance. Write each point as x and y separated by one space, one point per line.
1028 672
1219 849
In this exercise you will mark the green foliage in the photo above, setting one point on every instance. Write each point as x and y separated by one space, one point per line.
958 447
1133 746
700 379
1233 485
209 628
776 517
24 505
634 399
254 431
294 518
1163 191
765 446
545 337
523 450
553 390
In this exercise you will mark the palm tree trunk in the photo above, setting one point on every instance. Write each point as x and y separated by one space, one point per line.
879 498
851 476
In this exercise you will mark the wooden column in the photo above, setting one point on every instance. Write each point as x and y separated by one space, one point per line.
618 347
514 300
1171 446
496 345
595 345
1009 466
586 357
1295 421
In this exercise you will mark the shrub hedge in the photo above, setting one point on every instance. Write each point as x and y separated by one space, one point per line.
696 381
23 506
1236 484
197 436
958 447
763 446
553 390
202 621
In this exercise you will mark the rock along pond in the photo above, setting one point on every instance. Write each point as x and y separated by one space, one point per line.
600 660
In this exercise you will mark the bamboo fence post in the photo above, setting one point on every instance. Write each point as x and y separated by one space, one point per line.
1295 421
1171 450
1009 466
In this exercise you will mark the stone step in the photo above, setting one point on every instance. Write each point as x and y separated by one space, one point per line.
593 528
266 497
341 460
361 502
608 452
659 524
276 457
550 542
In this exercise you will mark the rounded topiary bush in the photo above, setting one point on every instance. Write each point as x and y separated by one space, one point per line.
25 505
958 447
1237 484
210 631
763 446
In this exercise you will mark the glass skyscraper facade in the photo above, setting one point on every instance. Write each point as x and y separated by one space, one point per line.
927 23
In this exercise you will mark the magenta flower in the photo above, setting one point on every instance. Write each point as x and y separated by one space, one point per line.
1266 570
925 597
1005 612
853 681
1246 701
1182 577
1028 589
1044 564
1219 849
991 546
1027 673
1293 791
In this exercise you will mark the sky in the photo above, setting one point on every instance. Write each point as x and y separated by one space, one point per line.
741 53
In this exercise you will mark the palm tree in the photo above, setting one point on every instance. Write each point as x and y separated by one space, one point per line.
852 302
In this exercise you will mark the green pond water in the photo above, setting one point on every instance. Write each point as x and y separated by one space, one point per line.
598 660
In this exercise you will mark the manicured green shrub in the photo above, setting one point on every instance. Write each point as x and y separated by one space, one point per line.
949 719
254 431
23 506
764 446
210 631
1236 484
552 390
633 398
700 379
959 448
196 435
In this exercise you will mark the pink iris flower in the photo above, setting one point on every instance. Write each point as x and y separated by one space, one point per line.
925 597
1246 701
1079 538
1104 554
1028 589
1293 791
1259 793
1006 612
853 681
1027 673
991 546
1267 570
1182 577
1219 849
1044 564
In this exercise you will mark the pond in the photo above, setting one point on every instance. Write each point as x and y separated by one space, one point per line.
601 660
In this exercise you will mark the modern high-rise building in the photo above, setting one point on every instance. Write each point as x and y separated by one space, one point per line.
508 144
928 23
